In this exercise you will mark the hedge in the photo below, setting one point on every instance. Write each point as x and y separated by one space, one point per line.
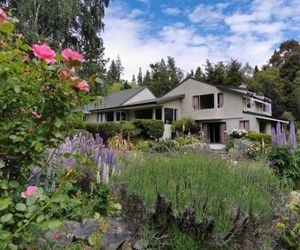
149 129
258 137
146 129
189 125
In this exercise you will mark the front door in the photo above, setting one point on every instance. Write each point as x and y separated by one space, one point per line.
215 132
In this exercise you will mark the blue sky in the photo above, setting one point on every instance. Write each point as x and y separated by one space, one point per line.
144 31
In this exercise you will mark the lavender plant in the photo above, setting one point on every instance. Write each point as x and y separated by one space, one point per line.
78 150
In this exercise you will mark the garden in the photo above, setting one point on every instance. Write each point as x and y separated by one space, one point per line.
65 182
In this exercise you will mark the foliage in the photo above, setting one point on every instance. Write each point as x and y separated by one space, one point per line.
149 129
36 103
285 162
184 125
119 142
229 144
163 146
79 25
237 133
163 76
255 150
260 137
187 140
105 130
211 184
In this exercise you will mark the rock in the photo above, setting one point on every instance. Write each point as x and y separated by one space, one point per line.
88 227
116 234
138 245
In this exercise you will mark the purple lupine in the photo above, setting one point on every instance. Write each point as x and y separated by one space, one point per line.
34 178
292 136
283 135
278 133
274 139
48 176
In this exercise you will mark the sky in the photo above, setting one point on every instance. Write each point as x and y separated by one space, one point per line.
145 31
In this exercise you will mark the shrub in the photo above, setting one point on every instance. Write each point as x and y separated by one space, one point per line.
259 137
105 130
184 125
129 130
186 140
39 96
237 133
285 162
149 129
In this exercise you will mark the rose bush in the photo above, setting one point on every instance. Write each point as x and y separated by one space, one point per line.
39 96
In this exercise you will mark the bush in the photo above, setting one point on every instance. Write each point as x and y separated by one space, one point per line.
259 137
285 163
237 133
186 140
105 130
184 125
129 130
149 129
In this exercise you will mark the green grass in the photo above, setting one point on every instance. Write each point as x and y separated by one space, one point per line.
212 184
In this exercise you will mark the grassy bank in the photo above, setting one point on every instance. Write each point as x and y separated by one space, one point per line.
214 186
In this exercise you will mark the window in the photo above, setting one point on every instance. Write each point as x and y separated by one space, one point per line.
144 114
100 117
196 102
245 124
158 114
262 127
220 100
170 115
121 116
207 101
84 117
247 103
110 116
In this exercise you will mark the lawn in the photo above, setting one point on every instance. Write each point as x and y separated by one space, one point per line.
212 184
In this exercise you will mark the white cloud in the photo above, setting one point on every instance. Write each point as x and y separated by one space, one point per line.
207 15
249 36
171 11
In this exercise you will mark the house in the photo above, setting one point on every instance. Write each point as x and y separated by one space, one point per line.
216 108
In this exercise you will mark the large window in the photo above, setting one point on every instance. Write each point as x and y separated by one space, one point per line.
110 116
158 114
247 103
121 116
170 115
207 101
144 114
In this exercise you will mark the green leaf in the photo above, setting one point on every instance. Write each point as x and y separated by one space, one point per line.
7 27
38 147
4 234
30 200
32 208
12 246
17 89
58 123
21 207
6 218
2 164
53 224
40 218
4 203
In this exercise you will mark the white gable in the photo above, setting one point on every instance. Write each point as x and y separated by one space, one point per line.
145 94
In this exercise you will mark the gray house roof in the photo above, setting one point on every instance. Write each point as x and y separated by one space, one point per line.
115 99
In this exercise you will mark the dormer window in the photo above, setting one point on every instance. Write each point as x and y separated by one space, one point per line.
247 103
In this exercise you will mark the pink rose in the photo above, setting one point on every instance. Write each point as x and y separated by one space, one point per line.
83 86
26 58
63 74
44 52
31 190
71 55
3 16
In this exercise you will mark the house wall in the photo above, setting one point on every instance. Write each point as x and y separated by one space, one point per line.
232 108
92 117
145 94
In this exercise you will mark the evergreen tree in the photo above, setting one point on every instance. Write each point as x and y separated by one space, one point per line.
140 77
234 73
199 74
133 79
256 70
